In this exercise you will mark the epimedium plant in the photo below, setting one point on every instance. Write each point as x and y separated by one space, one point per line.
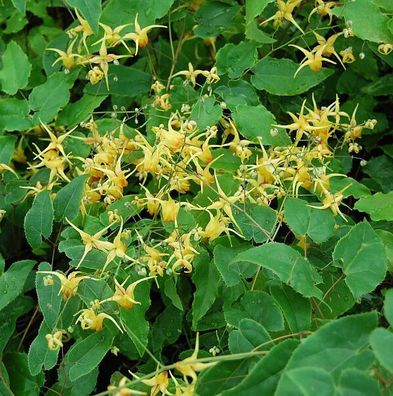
196 197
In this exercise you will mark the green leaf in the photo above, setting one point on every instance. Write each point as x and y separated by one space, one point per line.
134 320
250 335
22 383
388 306
381 341
351 186
238 92
263 377
68 198
296 309
356 382
86 354
368 22
235 59
223 375
49 298
79 111
255 123
90 10
276 76
20 5
206 112
39 219
256 222
13 280
354 252
287 263
40 356
337 345
306 381
262 308
16 69
123 81
13 114
379 206
303 220
48 98
118 12
7 147
206 280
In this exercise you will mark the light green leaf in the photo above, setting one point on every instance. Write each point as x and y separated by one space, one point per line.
13 114
381 341
123 81
303 220
134 320
388 306
49 298
255 123
337 345
276 76
206 280
256 222
250 335
86 354
20 5
38 222
352 187
40 356
235 59
361 255
296 309
368 22
48 98
379 206
68 198
206 112
356 382
263 377
238 92
306 381
7 147
79 111
90 10
16 69
13 280
287 264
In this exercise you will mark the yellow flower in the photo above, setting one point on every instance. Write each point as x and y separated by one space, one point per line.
385 49
347 55
55 340
125 296
68 57
89 319
140 36
169 210
190 366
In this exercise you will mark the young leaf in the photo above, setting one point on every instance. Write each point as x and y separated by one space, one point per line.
206 112
361 254
287 264
13 280
381 341
68 199
47 99
39 219
304 220
256 122
13 114
206 279
16 69
40 356
49 299
90 10
337 345
306 381
263 378
379 206
276 76
87 353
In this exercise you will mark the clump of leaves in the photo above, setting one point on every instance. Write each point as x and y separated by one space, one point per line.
195 197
